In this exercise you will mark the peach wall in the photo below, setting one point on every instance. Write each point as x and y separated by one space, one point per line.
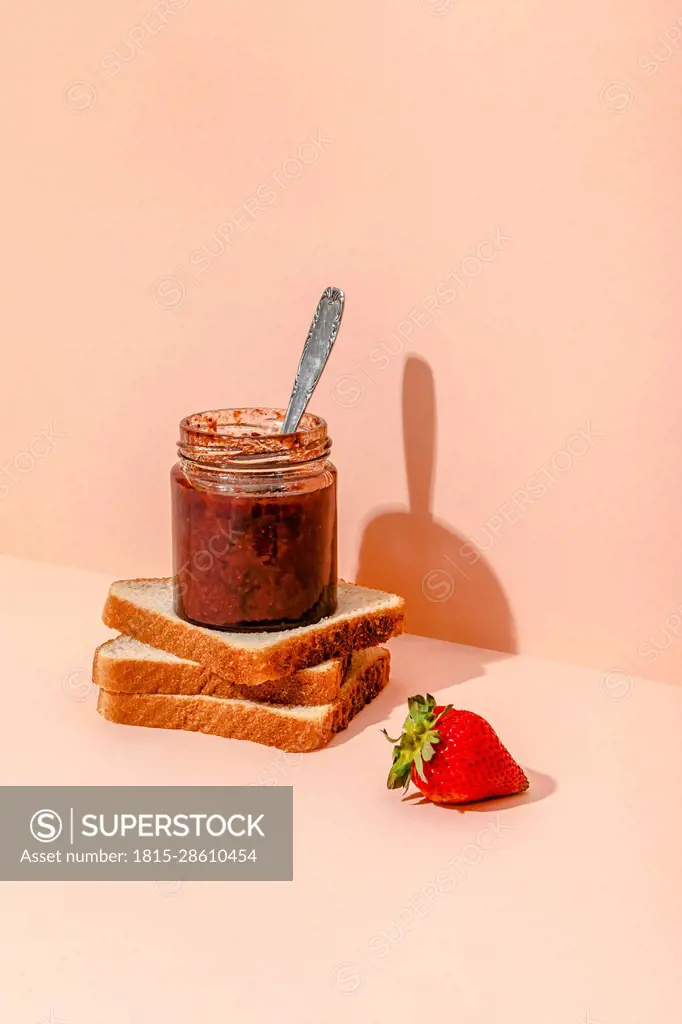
494 183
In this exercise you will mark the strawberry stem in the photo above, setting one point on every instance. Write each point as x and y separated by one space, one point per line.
416 742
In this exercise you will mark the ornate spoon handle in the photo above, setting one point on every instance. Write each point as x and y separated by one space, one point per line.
318 345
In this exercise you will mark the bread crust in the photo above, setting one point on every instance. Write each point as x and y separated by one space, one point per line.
144 675
304 648
259 723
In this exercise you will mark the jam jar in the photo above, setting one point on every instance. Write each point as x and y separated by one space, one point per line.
254 521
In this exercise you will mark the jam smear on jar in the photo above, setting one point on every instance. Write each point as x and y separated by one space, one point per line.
252 561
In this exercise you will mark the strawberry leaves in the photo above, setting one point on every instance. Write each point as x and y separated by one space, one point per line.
416 742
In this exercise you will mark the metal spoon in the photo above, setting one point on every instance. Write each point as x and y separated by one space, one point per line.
318 345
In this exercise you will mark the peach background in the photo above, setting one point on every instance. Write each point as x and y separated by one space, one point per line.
449 122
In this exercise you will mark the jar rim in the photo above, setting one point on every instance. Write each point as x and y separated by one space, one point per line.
238 435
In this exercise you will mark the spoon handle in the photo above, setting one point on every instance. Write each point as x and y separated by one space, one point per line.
318 345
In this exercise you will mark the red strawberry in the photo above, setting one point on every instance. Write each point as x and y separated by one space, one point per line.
453 757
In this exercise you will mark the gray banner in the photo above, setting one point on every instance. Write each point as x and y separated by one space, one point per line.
146 833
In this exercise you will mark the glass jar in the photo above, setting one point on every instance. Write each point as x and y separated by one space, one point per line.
254 521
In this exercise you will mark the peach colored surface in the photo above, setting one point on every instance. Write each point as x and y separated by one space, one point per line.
561 906
495 184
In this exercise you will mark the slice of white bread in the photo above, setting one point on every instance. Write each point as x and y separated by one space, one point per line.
297 729
129 666
144 610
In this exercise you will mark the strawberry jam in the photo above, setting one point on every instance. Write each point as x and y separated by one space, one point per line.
254 522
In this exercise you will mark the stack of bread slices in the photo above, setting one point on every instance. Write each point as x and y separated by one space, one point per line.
292 689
